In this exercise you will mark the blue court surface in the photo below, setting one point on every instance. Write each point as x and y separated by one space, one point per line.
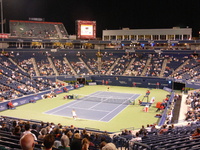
98 106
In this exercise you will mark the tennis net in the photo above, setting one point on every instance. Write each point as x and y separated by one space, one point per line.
107 100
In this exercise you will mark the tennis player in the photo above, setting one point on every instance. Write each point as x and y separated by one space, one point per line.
74 114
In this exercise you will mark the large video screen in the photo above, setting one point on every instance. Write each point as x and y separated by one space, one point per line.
86 29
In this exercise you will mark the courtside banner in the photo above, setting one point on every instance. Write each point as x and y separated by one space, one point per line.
92 83
35 97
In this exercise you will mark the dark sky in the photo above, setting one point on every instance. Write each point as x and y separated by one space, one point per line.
109 14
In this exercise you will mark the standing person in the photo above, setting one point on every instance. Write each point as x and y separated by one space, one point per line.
137 138
157 85
34 130
28 131
74 114
103 82
134 84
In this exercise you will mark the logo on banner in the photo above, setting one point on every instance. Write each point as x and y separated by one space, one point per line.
36 98
22 102
122 82
2 107
15 104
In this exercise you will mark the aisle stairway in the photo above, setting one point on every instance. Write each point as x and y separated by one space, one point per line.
52 65
111 68
35 67
145 68
163 68
129 66
73 71
89 70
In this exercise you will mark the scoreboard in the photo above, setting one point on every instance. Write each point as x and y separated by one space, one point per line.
86 29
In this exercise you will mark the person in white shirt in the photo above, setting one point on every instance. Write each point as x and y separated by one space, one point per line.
135 139
74 114
28 131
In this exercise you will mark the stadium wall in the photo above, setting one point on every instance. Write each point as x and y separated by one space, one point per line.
132 81
145 82
188 84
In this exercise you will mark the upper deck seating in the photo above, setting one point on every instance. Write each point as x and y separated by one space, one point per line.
36 29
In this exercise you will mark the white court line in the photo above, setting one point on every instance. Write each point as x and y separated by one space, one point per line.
76 108
88 109
67 106
114 110
135 96
94 106
116 114
98 103
108 98
62 108
93 96
77 118
110 112
96 93
78 101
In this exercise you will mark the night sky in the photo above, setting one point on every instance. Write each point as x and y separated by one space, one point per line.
109 14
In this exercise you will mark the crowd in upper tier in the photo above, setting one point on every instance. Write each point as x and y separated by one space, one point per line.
30 29
146 65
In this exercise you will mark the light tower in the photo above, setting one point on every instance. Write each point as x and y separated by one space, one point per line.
2 22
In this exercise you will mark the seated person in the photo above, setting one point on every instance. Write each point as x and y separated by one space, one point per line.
1 99
65 97
147 93
163 129
76 86
53 95
10 105
162 107
65 89
140 102
70 96
32 101
196 134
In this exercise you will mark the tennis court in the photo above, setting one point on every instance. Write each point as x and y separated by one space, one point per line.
98 106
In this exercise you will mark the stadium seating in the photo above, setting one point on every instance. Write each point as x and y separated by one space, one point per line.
137 67
77 65
90 60
35 29
189 71
18 69
110 65
25 65
122 64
